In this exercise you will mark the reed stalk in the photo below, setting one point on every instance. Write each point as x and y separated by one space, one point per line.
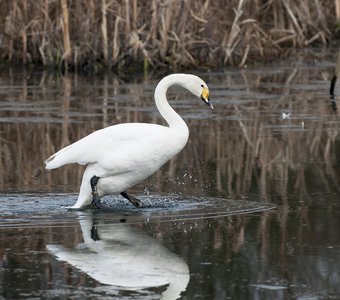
66 32
337 10
104 33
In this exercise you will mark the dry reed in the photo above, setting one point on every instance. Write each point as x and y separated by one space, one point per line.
113 34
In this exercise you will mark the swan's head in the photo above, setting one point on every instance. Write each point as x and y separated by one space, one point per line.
200 89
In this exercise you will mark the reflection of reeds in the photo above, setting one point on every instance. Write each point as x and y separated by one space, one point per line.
240 152
176 33
226 157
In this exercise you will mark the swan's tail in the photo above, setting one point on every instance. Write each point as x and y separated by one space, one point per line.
49 164
58 159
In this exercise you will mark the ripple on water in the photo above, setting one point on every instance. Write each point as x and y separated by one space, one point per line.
20 210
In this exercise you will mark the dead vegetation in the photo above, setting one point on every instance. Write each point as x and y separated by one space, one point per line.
113 34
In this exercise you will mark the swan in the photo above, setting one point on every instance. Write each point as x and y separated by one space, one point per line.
120 156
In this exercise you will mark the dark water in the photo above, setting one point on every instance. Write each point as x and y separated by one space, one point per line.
207 230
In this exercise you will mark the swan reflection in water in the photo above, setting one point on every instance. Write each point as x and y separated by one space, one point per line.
119 255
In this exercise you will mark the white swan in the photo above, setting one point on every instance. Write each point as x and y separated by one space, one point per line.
119 156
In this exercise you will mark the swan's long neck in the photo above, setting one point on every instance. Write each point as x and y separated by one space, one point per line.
171 117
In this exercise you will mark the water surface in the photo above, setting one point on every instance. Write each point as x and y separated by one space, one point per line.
207 230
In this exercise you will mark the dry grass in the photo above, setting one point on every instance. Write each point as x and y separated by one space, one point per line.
116 33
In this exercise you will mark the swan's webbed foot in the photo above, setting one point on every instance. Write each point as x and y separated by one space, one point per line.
95 197
135 201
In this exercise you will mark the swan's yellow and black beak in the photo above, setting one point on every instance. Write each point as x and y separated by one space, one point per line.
205 97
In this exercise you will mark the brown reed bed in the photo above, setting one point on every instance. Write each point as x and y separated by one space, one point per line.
115 34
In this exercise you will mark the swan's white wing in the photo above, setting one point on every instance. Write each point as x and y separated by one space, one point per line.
118 143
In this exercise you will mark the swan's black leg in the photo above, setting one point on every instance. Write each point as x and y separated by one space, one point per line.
95 199
135 201
94 233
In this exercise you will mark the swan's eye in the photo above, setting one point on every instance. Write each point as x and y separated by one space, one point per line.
202 85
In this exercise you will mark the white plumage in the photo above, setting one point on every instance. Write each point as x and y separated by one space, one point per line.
122 155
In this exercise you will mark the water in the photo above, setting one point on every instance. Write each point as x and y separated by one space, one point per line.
208 229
